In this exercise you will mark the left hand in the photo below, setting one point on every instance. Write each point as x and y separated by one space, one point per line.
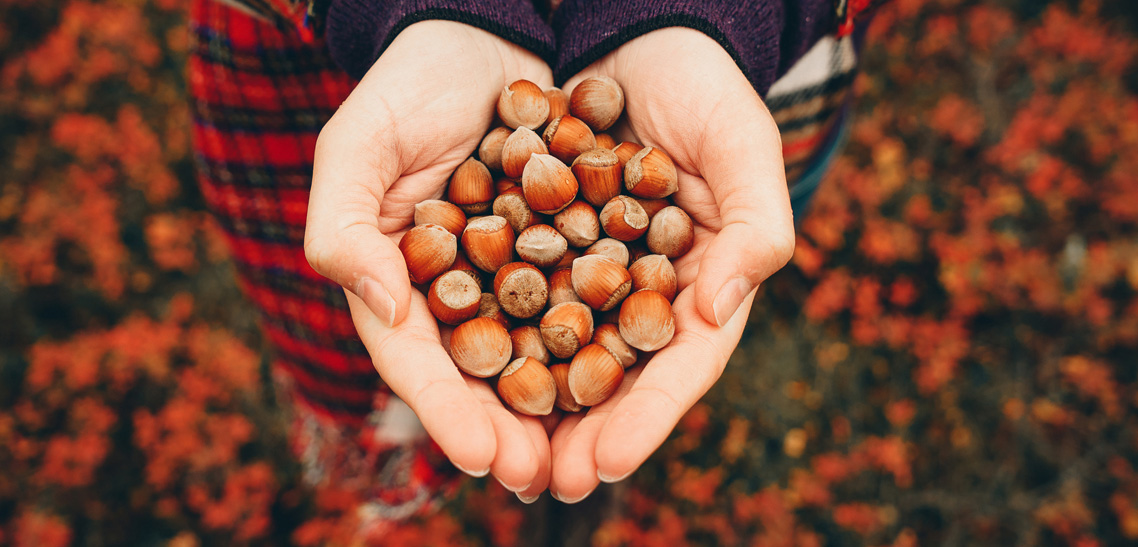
685 95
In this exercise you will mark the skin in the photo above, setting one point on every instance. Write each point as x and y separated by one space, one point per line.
391 146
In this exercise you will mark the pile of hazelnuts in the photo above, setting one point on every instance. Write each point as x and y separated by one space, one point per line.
552 239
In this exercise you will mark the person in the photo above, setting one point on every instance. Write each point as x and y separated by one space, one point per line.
380 101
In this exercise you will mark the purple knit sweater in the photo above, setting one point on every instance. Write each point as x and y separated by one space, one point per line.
764 37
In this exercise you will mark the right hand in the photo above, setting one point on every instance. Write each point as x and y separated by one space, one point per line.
418 113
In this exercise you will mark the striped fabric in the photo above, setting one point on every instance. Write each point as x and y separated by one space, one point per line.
261 91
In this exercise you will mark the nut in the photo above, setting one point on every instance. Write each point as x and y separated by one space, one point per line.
462 264
505 183
652 206
560 372
443 213
598 101
511 205
599 175
624 219
625 150
558 104
646 320
670 233
571 254
522 103
579 224
594 375
604 140
488 307
654 272
454 297
561 287
521 289
527 343
548 184
568 137
611 248
517 150
471 187
428 250
528 387
488 242
650 173
608 335
481 347
600 281
566 327
490 149
541 245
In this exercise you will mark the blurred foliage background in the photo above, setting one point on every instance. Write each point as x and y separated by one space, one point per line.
950 358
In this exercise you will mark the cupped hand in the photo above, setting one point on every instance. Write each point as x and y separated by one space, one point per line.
420 111
685 95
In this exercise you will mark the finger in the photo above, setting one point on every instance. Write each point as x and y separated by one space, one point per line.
742 163
540 439
672 381
411 360
517 461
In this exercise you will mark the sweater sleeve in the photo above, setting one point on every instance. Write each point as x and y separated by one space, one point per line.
764 37
358 31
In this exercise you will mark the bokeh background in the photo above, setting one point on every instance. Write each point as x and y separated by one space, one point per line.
950 358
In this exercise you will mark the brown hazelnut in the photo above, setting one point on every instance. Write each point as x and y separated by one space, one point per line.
560 372
625 150
652 206
566 327
558 104
650 173
604 140
527 343
670 233
579 224
624 219
600 281
541 245
646 320
599 175
481 347
568 137
428 250
561 287
512 206
488 242
594 375
654 272
517 150
608 335
598 101
488 307
521 289
471 187
571 254
611 248
548 184
443 213
490 149
454 297
522 103
505 183
528 387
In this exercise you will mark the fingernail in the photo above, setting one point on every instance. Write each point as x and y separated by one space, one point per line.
526 500
475 474
377 299
727 301
510 488
607 479
570 501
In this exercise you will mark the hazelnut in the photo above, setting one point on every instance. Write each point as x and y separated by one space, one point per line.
599 175
528 387
600 281
512 206
594 375
652 206
624 219
611 248
646 320
608 335
671 233
522 103
481 347
604 140
548 184
625 150
517 150
462 264
488 242
650 173
558 104
490 150
454 297
654 272
566 327
579 224
560 372
428 250
488 307
568 137
521 289
598 101
571 254
561 287
505 183
471 187
443 213
541 245
527 343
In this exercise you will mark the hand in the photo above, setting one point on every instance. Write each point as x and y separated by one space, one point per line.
418 113
684 94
